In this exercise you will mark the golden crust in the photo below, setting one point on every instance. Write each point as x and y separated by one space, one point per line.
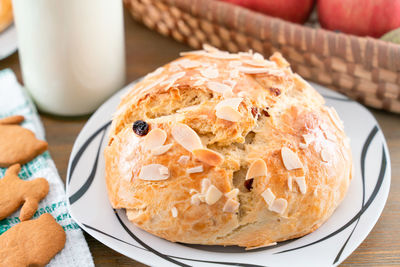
278 109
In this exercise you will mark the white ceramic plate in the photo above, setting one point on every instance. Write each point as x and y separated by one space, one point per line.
8 42
329 245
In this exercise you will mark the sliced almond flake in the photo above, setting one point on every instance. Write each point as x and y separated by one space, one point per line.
153 84
257 168
279 205
155 73
174 212
290 159
249 70
228 94
301 183
210 73
174 68
231 206
308 139
257 56
210 48
154 172
195 199
233 193
193 191
168 84
178 75
189 64
196 169
234 74
228 113
231 102
208 156
218 87
222 55
335 118
230 83
290 182
189 108
183 160
268 196
172 79
213 195
164 171
234 64
326 155
155 138
277 72
262 246
186 137
246 54
205 184
160 149
255 63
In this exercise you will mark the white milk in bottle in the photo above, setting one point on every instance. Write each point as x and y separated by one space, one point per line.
72 52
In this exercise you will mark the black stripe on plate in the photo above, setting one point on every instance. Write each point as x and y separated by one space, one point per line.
78 194
175 257
165 257
104 233
366 145
82 149
338 98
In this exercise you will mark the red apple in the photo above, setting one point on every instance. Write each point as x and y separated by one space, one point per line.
292 10
360 17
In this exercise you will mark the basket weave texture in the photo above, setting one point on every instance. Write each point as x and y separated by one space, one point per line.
365 69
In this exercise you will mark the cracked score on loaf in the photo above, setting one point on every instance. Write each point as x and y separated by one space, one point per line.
240 151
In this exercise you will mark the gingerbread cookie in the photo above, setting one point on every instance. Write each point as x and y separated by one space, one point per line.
32 243
15 192
17 119
6 14
18 144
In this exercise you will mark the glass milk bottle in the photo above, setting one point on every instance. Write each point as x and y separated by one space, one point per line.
72 52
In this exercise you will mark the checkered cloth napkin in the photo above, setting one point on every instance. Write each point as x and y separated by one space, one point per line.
15 101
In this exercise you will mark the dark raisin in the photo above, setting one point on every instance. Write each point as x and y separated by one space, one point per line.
275 91
140 127
249 184
265 112
254 112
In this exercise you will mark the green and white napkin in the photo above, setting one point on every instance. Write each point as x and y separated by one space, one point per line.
15 101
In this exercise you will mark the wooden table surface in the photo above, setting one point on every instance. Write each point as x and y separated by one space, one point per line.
145 51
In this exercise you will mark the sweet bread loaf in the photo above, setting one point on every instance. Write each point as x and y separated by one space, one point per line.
226 149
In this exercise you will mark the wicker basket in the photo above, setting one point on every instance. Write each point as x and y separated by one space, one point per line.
365 69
